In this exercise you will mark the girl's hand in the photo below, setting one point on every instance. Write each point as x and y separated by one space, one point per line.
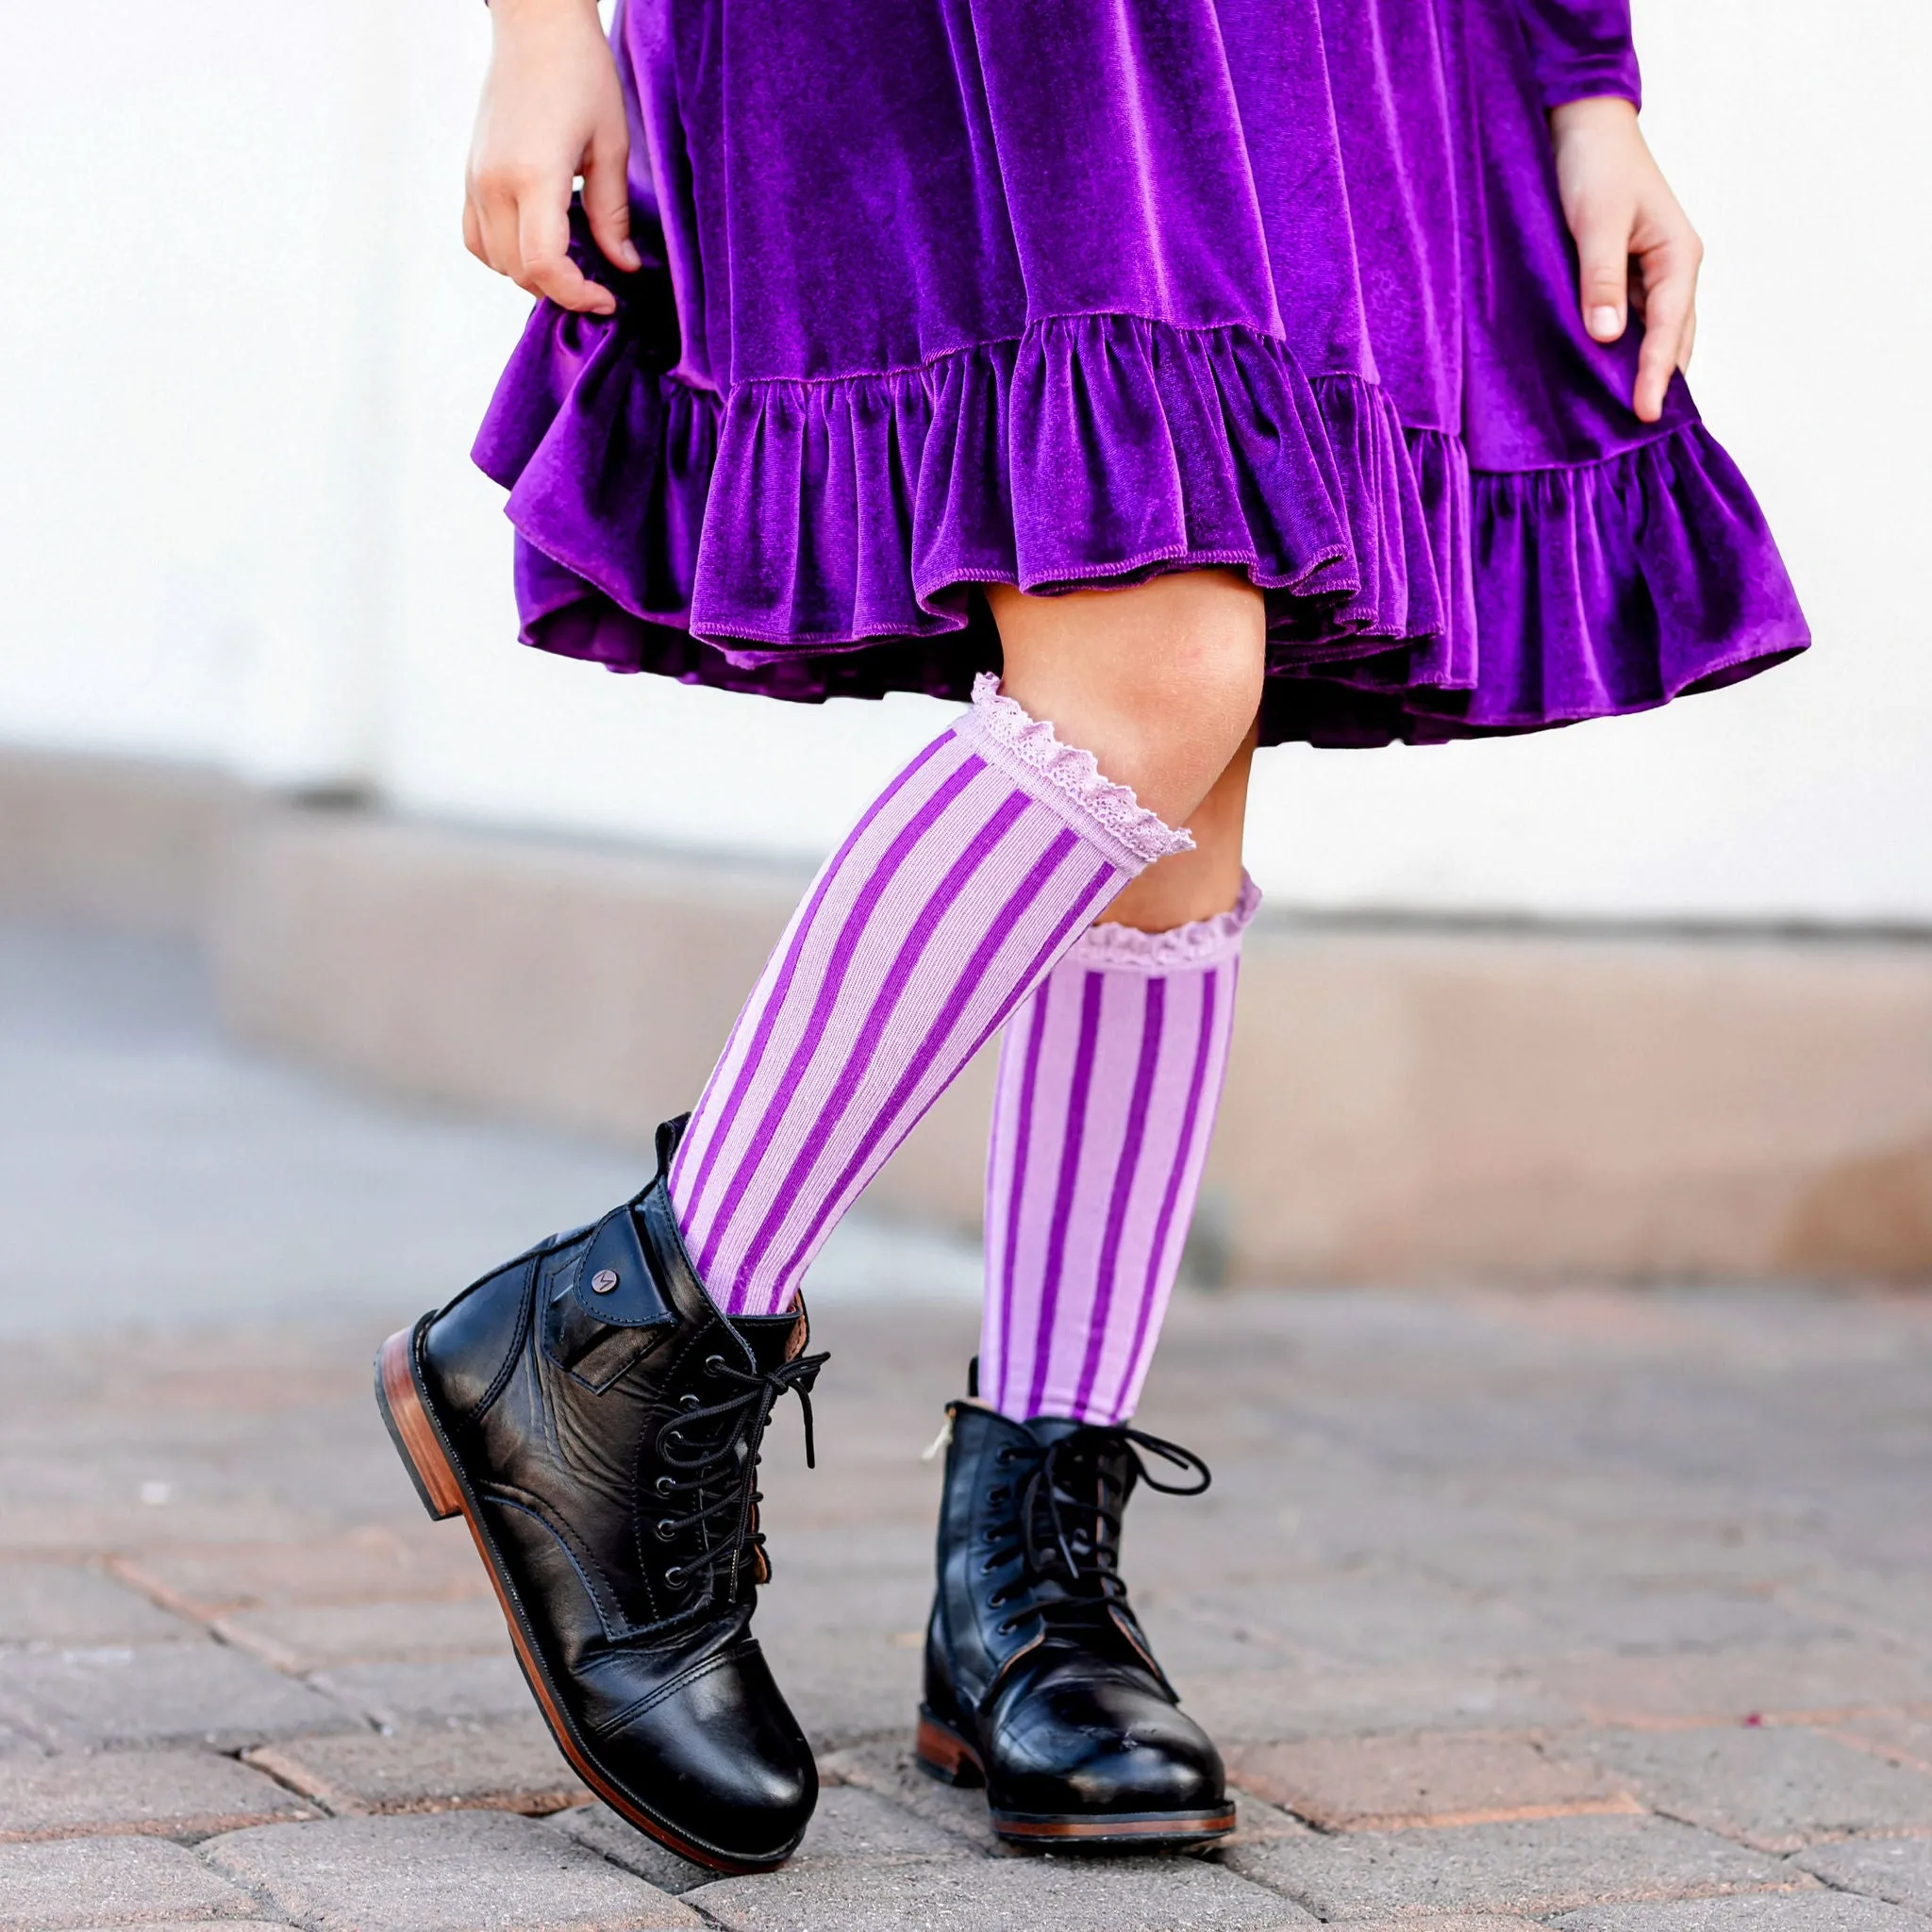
552 109
1636 246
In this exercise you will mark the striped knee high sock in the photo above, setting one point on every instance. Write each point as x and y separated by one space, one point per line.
1109 1081
967 877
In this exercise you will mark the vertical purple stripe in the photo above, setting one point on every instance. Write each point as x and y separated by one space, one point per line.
999 929
712 1139
904 842
1153 1006
1019 1050
1197 1081
856 1064
1016 1199
1069 1173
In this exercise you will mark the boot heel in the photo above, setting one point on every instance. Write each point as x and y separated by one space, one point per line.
409 1428
942 1754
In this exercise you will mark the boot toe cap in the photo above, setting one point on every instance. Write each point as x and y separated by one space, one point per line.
1096 1749
718 1757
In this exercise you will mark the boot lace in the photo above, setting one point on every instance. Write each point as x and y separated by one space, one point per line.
1069 1520
717 1470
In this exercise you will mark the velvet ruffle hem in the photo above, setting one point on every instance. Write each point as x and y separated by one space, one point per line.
808 539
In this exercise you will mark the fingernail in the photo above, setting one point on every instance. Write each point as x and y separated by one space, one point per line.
1605 323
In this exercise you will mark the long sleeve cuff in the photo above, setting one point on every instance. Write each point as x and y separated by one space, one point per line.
1580 49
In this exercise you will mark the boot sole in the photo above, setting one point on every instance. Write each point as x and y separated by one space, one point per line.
943 1754
419 1440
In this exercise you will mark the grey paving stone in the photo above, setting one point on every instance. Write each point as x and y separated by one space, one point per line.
1014 1895
1546 1865
156 1693
1390 1616
370 1563
1792 1682
1774 1786
851 1825
315 1637
890 1773
1588 1615
1903 1737
200 1925
599 1829
1898 1604
1365 1784
460 1872
73 1604
1898 1870
509 1766
1292 1701
164 1793
1460 1921
467 1689
111 1881
1256 1821
1802 1912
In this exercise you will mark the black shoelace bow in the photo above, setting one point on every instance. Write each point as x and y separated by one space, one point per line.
719 1468
1070 1491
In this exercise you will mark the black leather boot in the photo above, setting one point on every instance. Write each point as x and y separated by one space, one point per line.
596 1421
1038 1680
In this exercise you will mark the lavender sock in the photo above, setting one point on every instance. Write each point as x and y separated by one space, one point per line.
1109 1077
972 871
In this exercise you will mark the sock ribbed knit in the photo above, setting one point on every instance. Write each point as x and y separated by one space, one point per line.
1109 1077
950 900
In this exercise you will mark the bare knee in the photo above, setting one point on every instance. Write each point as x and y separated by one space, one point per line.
1161 681
1190 886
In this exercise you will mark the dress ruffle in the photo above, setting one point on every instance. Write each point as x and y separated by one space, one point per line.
808 540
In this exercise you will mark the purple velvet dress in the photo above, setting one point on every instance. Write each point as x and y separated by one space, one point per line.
1060 292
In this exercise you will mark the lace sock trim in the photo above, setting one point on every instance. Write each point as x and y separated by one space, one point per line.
1203 942
1066 779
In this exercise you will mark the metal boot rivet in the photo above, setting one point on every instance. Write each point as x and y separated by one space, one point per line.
603 1281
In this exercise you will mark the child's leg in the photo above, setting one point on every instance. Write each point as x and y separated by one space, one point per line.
1109 1081
954 895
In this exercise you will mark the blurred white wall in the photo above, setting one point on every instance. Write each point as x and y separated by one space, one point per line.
244 353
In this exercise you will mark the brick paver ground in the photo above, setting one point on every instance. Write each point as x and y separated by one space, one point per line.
1601 1608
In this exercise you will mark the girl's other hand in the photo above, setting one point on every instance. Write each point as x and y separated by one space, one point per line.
552 109
1636 246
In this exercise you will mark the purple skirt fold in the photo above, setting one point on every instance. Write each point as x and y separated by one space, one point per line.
808 541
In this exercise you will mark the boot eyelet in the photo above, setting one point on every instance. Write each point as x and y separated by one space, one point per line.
1006 1627
1004 1458
715 1365
998 1495
674 1577
665 1529
687 1401
665 1485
